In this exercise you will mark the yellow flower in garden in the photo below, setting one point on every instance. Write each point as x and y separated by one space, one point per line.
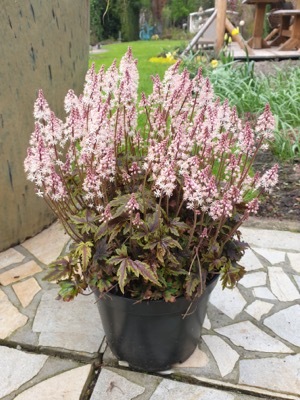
214 63
169 56
235 31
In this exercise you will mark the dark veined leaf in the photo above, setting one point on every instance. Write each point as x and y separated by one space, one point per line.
177 227
146 272
60 268
101 251
192 281
154 220
231 274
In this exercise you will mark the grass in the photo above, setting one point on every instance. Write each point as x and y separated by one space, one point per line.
143 51
247 91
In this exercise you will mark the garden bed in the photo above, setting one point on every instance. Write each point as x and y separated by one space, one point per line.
284 202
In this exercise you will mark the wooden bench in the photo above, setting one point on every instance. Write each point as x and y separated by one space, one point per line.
286 30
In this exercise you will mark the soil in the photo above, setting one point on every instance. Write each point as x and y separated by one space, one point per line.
284 202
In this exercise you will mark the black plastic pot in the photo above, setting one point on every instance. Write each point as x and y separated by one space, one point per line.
153 335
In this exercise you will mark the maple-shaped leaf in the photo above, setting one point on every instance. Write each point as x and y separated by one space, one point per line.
84 251
60 268
231 273
192 281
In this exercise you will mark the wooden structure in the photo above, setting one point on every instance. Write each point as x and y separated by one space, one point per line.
285 38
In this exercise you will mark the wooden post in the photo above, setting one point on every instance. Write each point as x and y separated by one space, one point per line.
220 7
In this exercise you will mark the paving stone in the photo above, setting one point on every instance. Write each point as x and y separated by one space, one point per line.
17 367
277 374
294 259
48 245
206 323
271 239
258 308
263 293
281 285
22 271
10 318
229 301
254 279
197 360
273 256
286 324
250 261
65 386
170 390
250 337
224 355
26 291
111 385
74 325
10 256
297 279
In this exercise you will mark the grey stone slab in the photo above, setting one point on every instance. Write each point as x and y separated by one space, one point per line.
294 259
229 301
48 245
197 360
286 324
224 355
277 374
253 279
281 285
9 257
263 293
17 368
271 239
65 386
74 325
258 308
250 262
10 318
171 390
250 337
273 256
112 386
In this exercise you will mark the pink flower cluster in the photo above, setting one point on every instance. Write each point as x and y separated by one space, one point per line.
191 148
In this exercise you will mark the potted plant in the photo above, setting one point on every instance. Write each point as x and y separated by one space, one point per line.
153 192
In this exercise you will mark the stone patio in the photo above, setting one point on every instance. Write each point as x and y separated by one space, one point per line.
249 348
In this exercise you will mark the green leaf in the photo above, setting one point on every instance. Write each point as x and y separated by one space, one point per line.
83 250
154 221
68 290
122 275
160 253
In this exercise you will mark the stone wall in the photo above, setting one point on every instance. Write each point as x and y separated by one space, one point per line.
44 44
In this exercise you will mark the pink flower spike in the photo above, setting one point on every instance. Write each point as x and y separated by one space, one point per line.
132 204
41 107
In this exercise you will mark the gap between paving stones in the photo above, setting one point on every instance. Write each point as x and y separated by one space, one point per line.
48 351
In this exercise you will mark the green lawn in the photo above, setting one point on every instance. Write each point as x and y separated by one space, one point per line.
143 51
